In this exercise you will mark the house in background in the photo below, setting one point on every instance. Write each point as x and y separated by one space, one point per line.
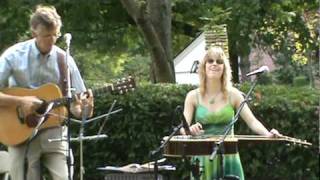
186 62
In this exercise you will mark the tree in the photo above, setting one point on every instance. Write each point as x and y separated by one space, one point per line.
154 20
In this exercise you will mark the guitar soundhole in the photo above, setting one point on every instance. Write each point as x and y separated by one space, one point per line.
33 119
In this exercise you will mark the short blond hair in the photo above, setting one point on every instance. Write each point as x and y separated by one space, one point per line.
215 52
46 16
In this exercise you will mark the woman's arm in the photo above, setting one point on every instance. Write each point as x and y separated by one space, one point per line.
188 112
247 115
189 105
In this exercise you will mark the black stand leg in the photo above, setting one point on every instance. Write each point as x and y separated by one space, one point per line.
154 155
195 170
156 169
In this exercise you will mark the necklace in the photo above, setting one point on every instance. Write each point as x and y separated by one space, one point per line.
212 99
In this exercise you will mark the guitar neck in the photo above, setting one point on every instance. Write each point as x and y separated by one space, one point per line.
120 87
64 100
265 138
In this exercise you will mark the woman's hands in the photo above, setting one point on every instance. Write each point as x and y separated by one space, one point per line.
274 133
195 129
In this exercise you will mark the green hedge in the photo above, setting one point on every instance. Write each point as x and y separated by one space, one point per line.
293 111
147 116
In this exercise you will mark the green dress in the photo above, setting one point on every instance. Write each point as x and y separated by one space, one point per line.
214 123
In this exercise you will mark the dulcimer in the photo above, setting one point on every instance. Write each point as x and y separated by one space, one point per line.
186 145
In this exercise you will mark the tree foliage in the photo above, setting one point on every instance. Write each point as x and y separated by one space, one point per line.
151 33
287 27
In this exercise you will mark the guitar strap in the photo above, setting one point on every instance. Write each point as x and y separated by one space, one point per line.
63 73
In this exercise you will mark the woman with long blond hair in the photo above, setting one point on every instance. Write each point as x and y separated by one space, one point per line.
212 106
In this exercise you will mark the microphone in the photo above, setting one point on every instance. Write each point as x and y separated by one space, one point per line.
67 38
261 70
185 124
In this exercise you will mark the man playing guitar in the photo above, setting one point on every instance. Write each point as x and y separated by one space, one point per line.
31 64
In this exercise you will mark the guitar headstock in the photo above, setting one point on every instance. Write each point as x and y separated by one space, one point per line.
296 141
123 85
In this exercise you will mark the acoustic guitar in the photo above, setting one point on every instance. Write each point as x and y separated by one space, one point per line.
13 127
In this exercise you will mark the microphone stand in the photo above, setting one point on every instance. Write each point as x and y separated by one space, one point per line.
81 132
155 153
68 105
220 144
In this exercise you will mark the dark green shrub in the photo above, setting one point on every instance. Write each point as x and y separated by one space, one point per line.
293 111
300 81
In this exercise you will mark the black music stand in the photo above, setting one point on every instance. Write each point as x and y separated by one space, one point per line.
155 154
82 138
